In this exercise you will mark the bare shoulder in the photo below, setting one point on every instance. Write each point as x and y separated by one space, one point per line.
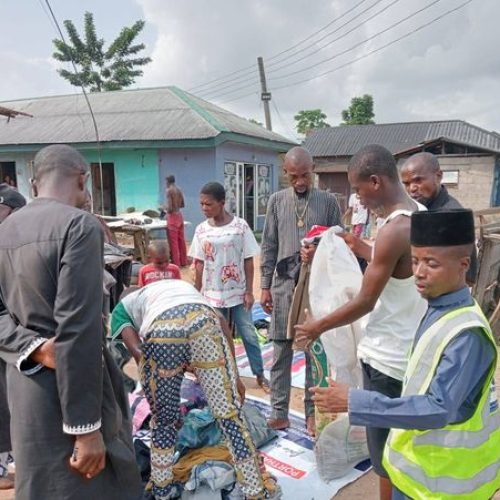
396 233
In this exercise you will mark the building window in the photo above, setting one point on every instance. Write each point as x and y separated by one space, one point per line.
248 188
8 173
450 177
231 186
263 188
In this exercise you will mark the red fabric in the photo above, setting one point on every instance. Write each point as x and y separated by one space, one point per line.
176 241
357 229
316 230
153 272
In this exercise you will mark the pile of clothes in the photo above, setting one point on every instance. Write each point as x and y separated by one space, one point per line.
202 460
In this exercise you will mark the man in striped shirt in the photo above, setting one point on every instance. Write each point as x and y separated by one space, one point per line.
290 215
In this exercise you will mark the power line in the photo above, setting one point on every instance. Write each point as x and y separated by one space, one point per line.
338 54
239 79
355 46
338 29
275 56
364 56
321 47
51 20
68 64
94 122
284 124
319 31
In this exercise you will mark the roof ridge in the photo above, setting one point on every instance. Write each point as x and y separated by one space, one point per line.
396 123
477 127
79 93
202 112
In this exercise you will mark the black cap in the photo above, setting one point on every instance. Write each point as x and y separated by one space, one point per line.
11 197
442 228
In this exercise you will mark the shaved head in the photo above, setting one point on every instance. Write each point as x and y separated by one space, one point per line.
61 173
59 161
298 167
299 156
159 247
421 175
422 161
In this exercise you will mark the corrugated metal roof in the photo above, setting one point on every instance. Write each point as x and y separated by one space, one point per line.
157 114
346 140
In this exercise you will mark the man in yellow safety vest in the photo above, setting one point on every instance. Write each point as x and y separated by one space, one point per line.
445 428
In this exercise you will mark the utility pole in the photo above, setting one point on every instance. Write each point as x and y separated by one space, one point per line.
265 96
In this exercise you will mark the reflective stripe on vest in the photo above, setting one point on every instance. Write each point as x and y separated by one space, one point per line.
460 460
448 485
426 353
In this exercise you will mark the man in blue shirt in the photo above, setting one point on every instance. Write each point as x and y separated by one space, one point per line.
441 249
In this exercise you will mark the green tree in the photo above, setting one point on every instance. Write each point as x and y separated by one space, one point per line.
308 119
100 69
360 112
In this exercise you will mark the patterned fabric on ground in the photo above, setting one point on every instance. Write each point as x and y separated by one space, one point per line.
191 335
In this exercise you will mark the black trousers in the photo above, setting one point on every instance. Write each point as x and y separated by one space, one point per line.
373 380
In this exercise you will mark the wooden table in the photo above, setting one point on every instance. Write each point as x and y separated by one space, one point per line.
141 235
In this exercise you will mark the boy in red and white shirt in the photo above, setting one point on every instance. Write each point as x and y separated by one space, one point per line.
159 268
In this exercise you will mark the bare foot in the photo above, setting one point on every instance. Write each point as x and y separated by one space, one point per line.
6 483
278 424
311 426
263 383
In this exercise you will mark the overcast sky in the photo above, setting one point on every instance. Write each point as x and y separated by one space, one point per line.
448 70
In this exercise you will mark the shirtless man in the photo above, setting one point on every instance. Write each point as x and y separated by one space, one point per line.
388 291
175 223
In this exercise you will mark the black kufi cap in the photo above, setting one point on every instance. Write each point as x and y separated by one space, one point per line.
446 228
11 197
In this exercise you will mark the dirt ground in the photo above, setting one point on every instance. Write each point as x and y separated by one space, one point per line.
365 488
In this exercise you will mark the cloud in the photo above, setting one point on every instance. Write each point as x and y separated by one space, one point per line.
448 70
29 76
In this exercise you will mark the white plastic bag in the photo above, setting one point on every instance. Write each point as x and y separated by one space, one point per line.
335 279
339 448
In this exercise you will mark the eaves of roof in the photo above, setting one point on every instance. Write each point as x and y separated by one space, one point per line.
170 144
430 142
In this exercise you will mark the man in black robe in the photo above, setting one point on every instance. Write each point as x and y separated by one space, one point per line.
70 424
10 200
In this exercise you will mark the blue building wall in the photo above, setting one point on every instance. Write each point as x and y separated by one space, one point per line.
136 177
140 173
229 151
23 173
192 169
